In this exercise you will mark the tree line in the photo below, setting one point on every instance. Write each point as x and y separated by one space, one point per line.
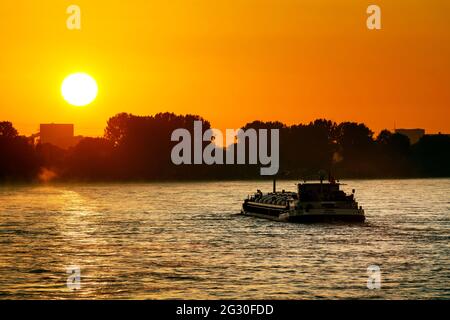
138 148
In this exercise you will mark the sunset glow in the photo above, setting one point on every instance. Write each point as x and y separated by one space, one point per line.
292 61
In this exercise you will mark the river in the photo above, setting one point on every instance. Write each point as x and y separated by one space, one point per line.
185 240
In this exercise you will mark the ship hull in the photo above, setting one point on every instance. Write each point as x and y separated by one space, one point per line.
326 218
300 216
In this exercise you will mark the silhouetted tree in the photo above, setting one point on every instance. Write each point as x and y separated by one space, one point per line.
139 148
432 155
356 144
7 130
117 128
90 159
18 159
143 145
392 154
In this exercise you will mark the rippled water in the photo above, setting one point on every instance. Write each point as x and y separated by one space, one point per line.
184 240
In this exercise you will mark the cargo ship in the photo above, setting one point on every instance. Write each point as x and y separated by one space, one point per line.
313 202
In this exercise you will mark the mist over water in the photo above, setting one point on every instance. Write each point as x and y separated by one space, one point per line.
185 240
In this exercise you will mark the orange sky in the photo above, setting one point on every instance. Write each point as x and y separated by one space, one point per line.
230 61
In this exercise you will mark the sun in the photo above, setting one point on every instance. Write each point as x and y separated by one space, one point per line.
79 89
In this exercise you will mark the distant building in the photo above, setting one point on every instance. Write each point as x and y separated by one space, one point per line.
439 134
414 135
60 135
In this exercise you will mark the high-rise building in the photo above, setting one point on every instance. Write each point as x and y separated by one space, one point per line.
60 135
